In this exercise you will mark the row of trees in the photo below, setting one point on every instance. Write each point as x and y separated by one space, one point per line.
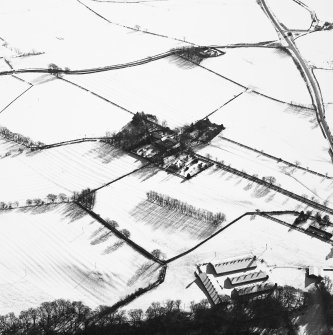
85 198
18 138
229 317
186 209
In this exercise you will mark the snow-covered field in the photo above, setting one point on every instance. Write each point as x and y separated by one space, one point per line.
89 42
57 252
162 88
323 8
61 170
269 71
263 238
325 80
277 129
213 190
290 13
208 22
316 48
13 88
290 178
54 111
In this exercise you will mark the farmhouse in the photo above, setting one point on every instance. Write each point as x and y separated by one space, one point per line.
248 278
314 272
212 287
253 290
166 143
322 233
235 265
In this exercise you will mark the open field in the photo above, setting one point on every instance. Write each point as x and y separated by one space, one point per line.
56 252
90 42
61 170
13 88
277 129
54 111
263 70
325 80
187 19
316 49
149 87
156 227
323 8
290 178
268 240
291 14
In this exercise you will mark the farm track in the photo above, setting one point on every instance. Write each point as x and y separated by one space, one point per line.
275 158
268 185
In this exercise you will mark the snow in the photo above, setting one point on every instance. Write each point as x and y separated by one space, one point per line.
46 255
316 48
61 170
323 8
290 13
13 88
89 41
277 129
195 92
290 178
150 225
269 71
325 80
266 239
54 111
208 22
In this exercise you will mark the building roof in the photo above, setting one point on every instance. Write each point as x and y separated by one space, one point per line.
248 278
245 263
212 287
319 231
314 271
254 289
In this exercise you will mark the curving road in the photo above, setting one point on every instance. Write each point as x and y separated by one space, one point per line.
306 72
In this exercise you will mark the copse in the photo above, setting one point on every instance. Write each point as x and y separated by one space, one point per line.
186 209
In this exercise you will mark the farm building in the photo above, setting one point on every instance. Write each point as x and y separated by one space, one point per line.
167 143
319 232
253 290
314 272
212 287
248 278
235 265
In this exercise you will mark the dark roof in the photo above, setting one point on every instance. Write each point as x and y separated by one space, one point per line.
210 287
319 231
255 289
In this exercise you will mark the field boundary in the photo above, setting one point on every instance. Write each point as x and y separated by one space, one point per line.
276 188
275 158
130 242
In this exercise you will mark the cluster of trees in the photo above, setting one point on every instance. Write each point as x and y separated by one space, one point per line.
201 131
184 208
86 198
134 133
18 138
229 317
326 292
322 220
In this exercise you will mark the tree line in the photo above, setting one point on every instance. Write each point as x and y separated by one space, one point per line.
186 209
231 316
86 198
18 138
